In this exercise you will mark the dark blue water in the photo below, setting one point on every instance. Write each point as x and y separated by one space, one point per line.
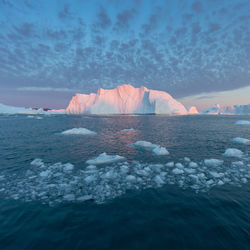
202 210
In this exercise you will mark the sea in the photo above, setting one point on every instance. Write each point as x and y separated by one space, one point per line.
195 197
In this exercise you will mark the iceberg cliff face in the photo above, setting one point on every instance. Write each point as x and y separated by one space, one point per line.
228 110
125 99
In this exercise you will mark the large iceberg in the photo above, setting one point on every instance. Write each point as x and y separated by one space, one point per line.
228 110
125 99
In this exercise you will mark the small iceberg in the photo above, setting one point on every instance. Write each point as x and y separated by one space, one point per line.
241 140
233 152
146 145
243 122
127 130
160 151
156 149
105 159
213 162
78 131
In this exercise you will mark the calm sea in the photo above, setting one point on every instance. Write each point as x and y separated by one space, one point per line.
145 202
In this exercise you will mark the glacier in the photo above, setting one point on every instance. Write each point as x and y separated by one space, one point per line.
125 99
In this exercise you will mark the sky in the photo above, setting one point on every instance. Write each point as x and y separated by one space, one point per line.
196 50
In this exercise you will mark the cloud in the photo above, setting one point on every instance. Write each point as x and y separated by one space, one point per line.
65 12
205 97
197 6
124 18
103 19
25 29
46 89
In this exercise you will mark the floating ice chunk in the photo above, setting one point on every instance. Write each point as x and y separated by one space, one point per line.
170 164
90 179
37 162
160 151
241 140
244 180
124 169
213 162
220 182
186 159
215 174
30 116
144 145
68 167
39 118
177 171
179 165
91 167
156 149
193 164
85 198
190 170
45 173
238 163
127 130
233 152
210 182
243 122
158 180
78 131
131 178
105 159
69 197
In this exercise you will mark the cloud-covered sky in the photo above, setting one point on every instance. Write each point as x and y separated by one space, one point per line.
49 49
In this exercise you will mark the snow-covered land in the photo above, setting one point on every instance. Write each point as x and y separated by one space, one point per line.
125 99
10 110
228 110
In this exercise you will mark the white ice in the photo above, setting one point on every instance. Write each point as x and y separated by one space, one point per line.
243 122
160 151
78 131
156 149
233 152
127 130
105 159
55 183
241 140
213 162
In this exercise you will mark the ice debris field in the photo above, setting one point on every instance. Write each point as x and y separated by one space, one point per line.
55 183
109 176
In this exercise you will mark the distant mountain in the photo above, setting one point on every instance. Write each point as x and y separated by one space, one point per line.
6 109
228 110
125 99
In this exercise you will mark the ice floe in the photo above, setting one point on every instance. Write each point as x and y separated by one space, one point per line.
233 152
63 182
127 130
156 149
241 140
243 122
78 131
213 162
105 159
160 151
